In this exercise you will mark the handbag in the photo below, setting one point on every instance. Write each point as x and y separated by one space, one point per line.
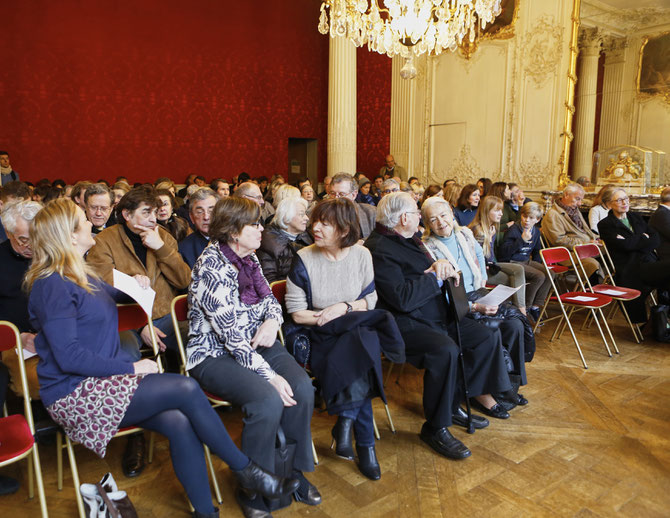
104 500
659 323
284 456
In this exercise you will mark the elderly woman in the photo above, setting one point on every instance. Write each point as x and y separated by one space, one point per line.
445 240
177 227
81 367
233 349
632 243
308 194
283 238
409 282
330 290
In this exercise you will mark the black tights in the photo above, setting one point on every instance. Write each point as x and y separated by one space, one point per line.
176 407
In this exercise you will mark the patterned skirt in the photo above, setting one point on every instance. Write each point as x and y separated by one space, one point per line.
91 413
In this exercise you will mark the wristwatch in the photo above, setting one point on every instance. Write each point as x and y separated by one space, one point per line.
350 308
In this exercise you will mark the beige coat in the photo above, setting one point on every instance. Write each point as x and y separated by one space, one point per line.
560 230
165 267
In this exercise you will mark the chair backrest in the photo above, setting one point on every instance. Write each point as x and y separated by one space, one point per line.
279 290
131 317
10 338
555 255
179 311
587 250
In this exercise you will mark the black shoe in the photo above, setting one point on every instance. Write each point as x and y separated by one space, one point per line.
8 485
460 418
522 401
133 458
342 438
443 442
368 463
255 479
496 410
534 313
215 514
506 401
307 493
247 510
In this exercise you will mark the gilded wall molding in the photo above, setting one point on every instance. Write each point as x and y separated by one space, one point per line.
464 169
533 174
542 50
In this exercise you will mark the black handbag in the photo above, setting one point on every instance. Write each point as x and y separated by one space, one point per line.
297 343
659 323
284 456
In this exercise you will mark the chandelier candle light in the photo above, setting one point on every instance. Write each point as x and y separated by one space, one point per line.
407 28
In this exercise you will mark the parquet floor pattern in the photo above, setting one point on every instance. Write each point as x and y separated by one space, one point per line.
591 443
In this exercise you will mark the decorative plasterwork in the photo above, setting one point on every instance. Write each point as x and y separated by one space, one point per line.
464 169
622 21
533 174
542 50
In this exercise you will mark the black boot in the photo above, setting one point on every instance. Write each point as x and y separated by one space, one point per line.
342 438
132 462
215 514
368 463
255 479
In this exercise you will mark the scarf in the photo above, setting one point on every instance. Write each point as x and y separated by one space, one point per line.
465 239
5 170
253 286
573 214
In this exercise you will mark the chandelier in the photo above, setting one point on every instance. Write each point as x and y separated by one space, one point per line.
407 28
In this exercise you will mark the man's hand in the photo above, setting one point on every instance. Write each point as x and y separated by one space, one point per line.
443 270
28 342
143 281
266 334
150 237
484 309
146 337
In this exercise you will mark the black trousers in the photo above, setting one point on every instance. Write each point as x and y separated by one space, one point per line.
431 347
511 332
646 278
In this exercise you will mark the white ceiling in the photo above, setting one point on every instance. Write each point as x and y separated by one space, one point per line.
636 4
626 17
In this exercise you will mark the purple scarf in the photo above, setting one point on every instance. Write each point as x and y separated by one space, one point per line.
252 284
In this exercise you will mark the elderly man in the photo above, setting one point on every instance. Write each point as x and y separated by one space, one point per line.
13 191
389 186
326 187
98 202
409 285
660 222
6 172
344 186
391 169
201 207
564 225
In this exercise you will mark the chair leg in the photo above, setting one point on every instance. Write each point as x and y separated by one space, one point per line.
402 369
388 414
316 457
374 424
215 483
75 477
31 478
632 326
40 482
388 375
542 312
59 459
574 338
151 448
601 333
609 331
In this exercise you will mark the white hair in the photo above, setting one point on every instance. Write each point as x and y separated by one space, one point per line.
283 192
200 194
435 200
191 189
390 184
24 209
392 206
287 209
572 187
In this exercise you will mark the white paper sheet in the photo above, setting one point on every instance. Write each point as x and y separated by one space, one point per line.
582 298
129 286
614 293
498 295
26 354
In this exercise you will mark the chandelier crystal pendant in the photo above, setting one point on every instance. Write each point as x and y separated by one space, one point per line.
407 27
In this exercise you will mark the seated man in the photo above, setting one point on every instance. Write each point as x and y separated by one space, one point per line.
660 222
12 191
409 284
564 225
344 186
98 201
201 206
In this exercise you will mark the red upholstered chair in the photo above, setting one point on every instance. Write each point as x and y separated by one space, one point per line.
17 431
608 288
573 300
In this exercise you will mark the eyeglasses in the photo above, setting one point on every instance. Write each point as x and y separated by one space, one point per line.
339 194
412 212
257 224
622 200
201 212
22 240
389 191
257 198
98 208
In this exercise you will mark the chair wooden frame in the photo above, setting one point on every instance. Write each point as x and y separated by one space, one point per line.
558 254
11 338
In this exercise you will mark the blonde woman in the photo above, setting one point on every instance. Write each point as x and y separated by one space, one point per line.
88 384
600 206
484 227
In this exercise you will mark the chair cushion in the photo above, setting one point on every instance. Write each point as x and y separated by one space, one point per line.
600 300
627 293
15 437
557 268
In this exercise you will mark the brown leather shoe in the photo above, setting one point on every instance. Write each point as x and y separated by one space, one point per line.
133 457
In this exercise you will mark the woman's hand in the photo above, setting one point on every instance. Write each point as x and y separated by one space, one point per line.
484 309
330 313
143 281
443 270
146 337
284 389
145 366
266 334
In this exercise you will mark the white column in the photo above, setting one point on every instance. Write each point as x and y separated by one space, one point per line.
590 41
613 86
401 117
341 107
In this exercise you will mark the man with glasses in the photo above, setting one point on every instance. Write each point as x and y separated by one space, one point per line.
564 225
389 186
251 191
98 201
201 207
343 185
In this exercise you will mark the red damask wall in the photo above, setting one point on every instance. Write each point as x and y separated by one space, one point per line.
150 88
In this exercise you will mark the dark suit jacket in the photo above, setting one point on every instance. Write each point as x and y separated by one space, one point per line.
192 246
367 215
660 222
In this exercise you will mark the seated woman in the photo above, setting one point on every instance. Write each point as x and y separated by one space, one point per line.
522 245
177 227
283 238
485 228
429 192
632 243
87 383
331 288
364 195
600 206
503 191
444 240
307 193
233 349
467 205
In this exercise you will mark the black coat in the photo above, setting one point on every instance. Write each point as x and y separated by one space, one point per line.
277 251
660 222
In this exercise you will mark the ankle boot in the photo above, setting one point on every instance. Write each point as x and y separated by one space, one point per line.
215 514
367 462
255 479
342 438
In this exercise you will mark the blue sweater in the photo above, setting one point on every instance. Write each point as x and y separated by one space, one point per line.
77 335
514 248
464 216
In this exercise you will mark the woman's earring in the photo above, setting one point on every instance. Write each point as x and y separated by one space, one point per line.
237 245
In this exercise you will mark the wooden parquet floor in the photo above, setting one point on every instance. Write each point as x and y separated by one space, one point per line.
590 443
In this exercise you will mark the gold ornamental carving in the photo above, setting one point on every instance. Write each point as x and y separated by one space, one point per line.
542 50
624 169
532 174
